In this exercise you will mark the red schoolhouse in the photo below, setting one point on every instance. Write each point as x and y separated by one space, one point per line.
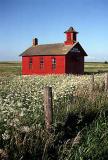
58 58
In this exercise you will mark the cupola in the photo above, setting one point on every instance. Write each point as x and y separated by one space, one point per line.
71 36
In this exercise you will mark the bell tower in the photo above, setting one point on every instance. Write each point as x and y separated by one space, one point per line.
71 36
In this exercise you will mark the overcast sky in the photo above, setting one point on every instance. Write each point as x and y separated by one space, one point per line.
22 20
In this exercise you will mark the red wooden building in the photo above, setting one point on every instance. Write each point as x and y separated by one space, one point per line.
58 58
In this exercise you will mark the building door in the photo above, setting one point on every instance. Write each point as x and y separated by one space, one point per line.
77 65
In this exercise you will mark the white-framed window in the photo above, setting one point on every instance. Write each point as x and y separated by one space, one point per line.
53 63
41 62
30 62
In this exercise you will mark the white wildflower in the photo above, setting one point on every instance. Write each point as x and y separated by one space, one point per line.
6 135
25 129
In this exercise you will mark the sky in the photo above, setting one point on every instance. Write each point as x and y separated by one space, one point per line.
23 20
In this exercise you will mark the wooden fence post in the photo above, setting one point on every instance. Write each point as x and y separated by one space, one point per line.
106 82
48 110
92 82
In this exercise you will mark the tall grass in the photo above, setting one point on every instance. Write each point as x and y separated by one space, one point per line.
80 122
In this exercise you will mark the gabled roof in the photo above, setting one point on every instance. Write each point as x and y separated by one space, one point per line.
50 49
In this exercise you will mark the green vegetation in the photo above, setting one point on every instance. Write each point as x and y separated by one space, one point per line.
14 68
80 122
96 67
10 68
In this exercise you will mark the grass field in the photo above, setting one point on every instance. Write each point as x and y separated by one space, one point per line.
10 68
80 115
96 67
14 68
80 118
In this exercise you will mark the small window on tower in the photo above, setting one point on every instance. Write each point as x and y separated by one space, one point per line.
41 62
53 63
30 63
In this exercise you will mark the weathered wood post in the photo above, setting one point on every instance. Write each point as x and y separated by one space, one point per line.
92 82
48 110
106 82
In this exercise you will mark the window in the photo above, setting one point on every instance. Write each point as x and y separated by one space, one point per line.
30 63
41 62
53 63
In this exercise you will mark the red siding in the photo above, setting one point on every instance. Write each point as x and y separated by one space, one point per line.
70 38
60 65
